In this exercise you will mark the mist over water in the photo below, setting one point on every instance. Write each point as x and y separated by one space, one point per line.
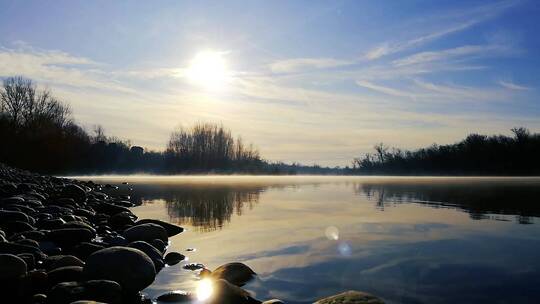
407 240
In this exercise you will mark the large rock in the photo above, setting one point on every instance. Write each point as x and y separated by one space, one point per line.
75 192
351 297
227 293
146 232
70 236
130 267
173 258
65 274
12 267
171 229
151 252
235 273
96 290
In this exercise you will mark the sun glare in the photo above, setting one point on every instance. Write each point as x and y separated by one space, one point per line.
208 69
204 289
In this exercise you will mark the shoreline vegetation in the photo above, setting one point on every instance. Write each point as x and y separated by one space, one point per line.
38 133
65 241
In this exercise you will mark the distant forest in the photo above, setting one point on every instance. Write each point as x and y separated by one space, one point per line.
475 155
38 133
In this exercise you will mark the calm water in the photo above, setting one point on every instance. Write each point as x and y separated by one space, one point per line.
407 240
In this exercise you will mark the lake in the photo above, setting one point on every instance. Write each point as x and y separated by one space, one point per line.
406 239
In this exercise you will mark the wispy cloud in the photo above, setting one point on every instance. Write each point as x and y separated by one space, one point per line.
512 86
383 89
466 50
300 64
474 15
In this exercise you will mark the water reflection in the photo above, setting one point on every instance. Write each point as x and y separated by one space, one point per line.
405 240
205 207
481 198
209 206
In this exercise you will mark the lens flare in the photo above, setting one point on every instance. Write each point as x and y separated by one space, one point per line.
332 233
204 289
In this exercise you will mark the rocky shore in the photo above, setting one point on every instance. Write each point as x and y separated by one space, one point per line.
68 241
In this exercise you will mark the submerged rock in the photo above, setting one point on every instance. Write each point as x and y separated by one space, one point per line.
351 297
130 267
175 296
227 293
173 258
235 273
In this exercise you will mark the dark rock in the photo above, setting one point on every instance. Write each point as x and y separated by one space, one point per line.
10 216
171 229
130 267
14 227
193 266
75 192
29 260
84 250
146 232
51 224
31 235
39 298
273 301
65 274
235 273
175 296
227 293
351 297
151 252
97 290
11 248
58 261
173 258
120 220
159 244
28 242
70 236
12 267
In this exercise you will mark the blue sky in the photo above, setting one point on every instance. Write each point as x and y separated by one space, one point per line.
309 81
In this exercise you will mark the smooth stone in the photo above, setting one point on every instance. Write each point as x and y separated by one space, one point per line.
39 298
175 296
70 236
273 301
29 260
10 216
75 192
159 244
84 250
151 252
65 274
173 258
146 232
15 227
58 261
12 248
235 273
12 267
95 290
351 297
227 293
130 267
171 229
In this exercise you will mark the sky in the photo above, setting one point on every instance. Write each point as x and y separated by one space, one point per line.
304 81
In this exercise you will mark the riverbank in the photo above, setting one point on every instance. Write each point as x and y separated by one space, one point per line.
64 240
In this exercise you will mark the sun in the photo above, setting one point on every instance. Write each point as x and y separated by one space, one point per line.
208 69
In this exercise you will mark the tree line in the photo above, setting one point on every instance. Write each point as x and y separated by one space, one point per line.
477 154
38 133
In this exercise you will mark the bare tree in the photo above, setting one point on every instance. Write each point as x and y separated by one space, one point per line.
24 104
